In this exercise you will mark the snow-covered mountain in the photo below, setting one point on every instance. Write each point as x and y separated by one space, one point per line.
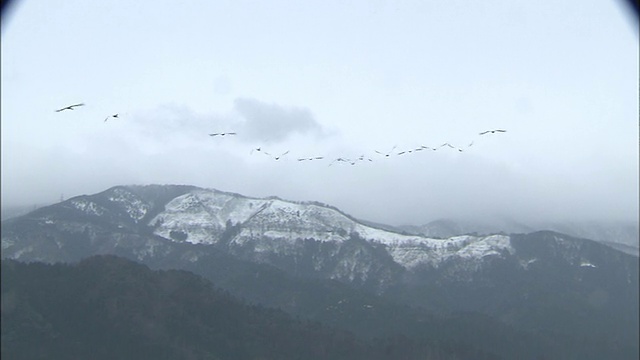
260 247
269 227
624 236
274 225
317 239
304 238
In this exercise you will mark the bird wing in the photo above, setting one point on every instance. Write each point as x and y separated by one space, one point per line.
70 107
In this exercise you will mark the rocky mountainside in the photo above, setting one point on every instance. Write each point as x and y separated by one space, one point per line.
261 249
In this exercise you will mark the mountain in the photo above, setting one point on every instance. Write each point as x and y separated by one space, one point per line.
572 296
621 235
307 239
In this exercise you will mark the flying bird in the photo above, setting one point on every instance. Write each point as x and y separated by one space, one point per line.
259 149
279 156
70 107
362 158
492 131
387 154
340 159
311 158
222 134
111 116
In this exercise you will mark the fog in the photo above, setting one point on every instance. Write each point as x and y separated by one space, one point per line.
336 81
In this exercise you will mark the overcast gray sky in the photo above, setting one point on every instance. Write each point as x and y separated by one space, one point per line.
333 79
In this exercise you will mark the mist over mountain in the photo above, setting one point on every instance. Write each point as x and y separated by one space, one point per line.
8 212
569 297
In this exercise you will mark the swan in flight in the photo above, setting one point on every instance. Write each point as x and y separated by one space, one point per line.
493 131
70 107
281 155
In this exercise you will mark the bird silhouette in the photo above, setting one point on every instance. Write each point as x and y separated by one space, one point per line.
111 116
387 154
311 158
339 160
281 155
223 134
70 107
493 131
362 158
422 147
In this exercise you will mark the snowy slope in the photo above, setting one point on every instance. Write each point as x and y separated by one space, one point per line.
203 215
272 230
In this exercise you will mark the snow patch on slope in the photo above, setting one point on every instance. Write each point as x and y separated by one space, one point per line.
203 215
435 251
135 208
88 207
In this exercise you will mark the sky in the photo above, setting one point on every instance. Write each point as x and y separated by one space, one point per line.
337 79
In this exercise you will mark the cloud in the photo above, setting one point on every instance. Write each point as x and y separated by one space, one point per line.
273 123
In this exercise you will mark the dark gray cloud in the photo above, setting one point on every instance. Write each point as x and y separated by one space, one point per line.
273 123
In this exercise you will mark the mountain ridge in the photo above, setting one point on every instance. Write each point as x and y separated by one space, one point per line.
522 279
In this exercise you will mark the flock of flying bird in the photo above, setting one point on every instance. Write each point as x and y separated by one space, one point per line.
361 158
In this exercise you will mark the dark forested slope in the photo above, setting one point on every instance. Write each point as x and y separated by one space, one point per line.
107 307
